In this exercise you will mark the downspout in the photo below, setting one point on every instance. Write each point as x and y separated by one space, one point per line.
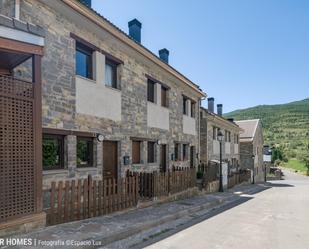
17 9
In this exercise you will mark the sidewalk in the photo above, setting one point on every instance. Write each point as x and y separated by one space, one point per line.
101 231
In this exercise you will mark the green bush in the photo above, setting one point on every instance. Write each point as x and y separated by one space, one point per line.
277 162
199 174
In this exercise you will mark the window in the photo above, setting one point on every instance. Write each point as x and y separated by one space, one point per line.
184 105
84 152
83 60
136 152
150 91
185 152
151 152
214 133
217 131
52 150
164 101
110 73
227 136
193 109
176 152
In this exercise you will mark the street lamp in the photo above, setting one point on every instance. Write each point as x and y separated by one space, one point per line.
220 138
253 157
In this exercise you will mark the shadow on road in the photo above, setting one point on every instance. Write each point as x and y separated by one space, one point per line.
278 185
200 218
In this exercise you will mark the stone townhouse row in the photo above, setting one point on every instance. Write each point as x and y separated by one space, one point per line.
108 104
211 124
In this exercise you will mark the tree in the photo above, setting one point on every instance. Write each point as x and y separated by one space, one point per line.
278 154
305 157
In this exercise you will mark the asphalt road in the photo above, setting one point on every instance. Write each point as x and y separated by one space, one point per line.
276 218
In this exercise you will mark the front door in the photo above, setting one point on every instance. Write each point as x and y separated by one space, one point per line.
163 158
192 156
110 159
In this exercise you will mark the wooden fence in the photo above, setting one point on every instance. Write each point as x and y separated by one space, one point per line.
162 184
239 177
82 199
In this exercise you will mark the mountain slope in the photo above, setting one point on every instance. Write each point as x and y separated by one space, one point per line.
286 124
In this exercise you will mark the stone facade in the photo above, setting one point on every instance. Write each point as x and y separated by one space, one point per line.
7 8
60 94
251 151
210 150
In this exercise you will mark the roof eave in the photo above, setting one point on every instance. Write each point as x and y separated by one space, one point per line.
112 29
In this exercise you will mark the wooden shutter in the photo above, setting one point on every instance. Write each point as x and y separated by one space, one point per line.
164 101
136 152
150 91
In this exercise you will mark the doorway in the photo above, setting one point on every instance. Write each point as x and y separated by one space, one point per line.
20 133
191 156
163 158
110 160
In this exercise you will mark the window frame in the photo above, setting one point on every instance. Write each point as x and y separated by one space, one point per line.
91 156
61 152
84 49
214 133
154 152
114 67
164 95
151 95
193 104
185 152
176 152
184 105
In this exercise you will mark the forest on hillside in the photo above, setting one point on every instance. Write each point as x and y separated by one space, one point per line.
285 126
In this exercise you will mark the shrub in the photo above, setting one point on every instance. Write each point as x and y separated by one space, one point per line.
199 174
277 162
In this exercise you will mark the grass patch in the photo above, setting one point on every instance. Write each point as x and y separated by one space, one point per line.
296 165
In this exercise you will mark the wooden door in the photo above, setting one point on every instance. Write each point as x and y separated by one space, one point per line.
192 156
110 159
163 158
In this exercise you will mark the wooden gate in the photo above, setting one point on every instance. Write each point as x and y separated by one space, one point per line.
17 149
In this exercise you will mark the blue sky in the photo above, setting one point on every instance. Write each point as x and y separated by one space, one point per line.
241 52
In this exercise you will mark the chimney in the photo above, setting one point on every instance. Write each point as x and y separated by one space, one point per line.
135 30
211 105
86 2
219 109
163 54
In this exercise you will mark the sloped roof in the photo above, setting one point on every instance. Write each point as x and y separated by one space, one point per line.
223 119
116 28
249 127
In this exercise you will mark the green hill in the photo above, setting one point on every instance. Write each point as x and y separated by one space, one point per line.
287 124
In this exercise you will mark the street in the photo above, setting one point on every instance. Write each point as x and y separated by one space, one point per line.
276 218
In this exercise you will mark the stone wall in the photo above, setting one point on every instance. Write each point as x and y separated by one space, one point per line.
204 137
7 8
208 152
258 149
248 149
246 152
59 90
